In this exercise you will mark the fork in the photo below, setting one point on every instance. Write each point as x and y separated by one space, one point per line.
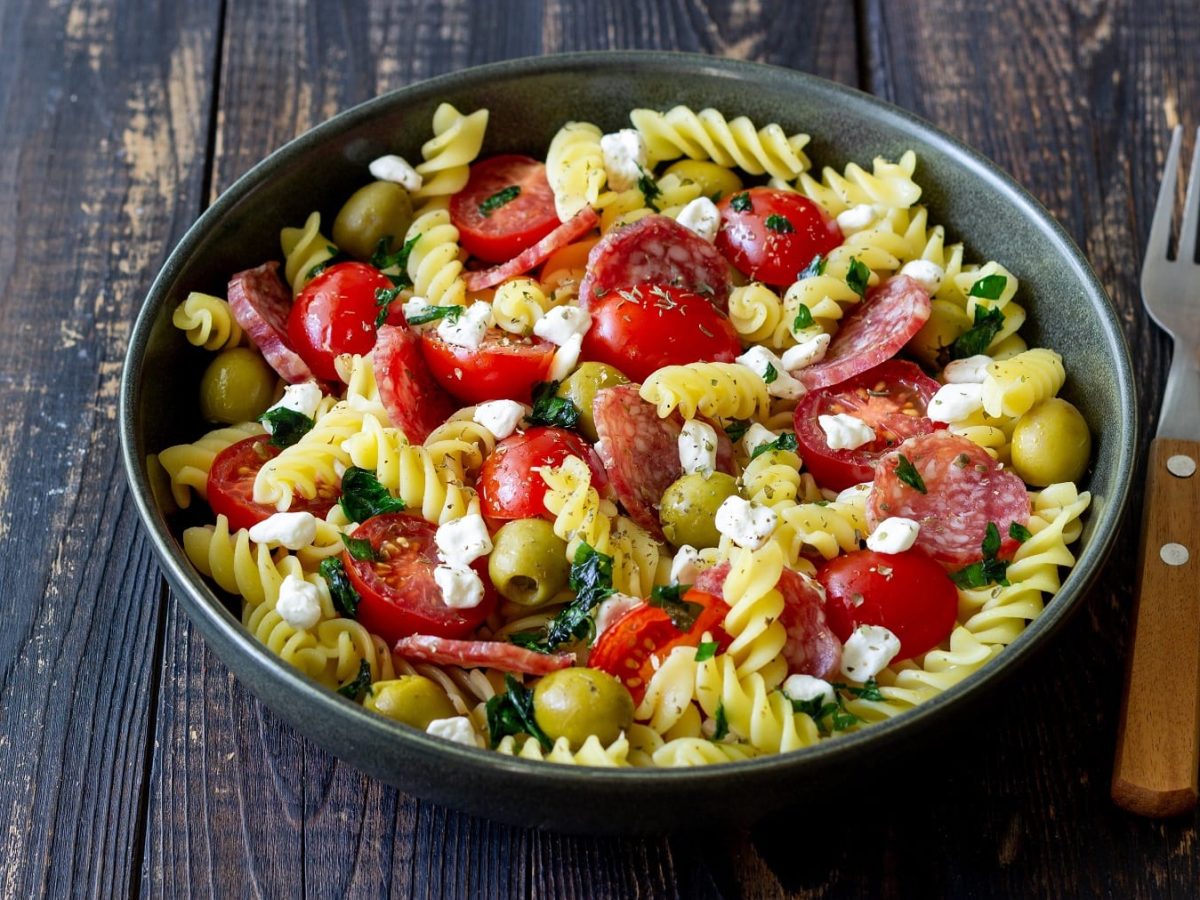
1158 741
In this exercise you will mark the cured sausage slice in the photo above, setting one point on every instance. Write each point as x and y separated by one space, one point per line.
415 402
885 321
261 303
571 230
812 648
491 654
965 489
659 250
640 451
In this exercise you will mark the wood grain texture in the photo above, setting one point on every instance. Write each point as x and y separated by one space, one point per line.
102 139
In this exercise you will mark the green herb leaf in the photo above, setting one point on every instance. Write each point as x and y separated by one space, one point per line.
707 650
436 312
363 496
649 188
551 409
908 473
721 731
813 269
511 713
498 199
715 196
741 202
737 429
359 685
771 375
989 570
669 598
858 277
341 591
383 302
804 318
979 336
360 549
785 441
1019 532
817 708
591 580
287 425
989 287
779 224
991 541
869 690
843 720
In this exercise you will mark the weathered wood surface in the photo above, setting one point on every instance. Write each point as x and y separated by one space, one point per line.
132 760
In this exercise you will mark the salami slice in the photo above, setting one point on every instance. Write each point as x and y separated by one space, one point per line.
658 250
490 654
415 402
812 648
885 321
571 230
261 303
640 451
965 489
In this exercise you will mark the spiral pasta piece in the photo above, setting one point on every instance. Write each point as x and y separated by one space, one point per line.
459 445
757 314
668 697
312 465
305 250
827 528
433 263
518 304
208 321
755 606
691 751
456 141
575 168
187 465
755 714
1014 386
715 390
888 184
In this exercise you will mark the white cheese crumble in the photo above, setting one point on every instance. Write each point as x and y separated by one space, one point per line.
303 398
806 688
698 448
500 417
955 402
396 168
928 275
702 217
845 432
868 652
757 435
612 609
461 587
763 362
747 524
894 535
806 354
562 323
288 529
624 158
467 330
457 728
299 602
685 567
856 493
856 218
416 306
566 358
462 541
971 370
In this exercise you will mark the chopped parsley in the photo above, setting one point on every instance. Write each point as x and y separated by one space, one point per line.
360 549
383 301
649 188
813 269
976 339
721 729
771 375
385 258
363 496
551 409
989 287
591 580
737 429
707 650
804 318
341 591
908 473
360 685
437 312
785 441
989 570
779 224
1019 532
741 202
498 199
833 716
287 425
669 598
511 713
858 277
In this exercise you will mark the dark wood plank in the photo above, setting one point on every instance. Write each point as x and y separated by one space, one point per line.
102 139
238 803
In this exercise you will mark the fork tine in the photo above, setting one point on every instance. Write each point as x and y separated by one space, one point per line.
1164 209
1186 247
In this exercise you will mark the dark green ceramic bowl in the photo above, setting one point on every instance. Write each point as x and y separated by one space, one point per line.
528 100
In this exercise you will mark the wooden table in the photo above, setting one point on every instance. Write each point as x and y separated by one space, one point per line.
132 760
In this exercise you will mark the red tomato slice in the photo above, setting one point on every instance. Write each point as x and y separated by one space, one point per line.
335 314
625 648
508 485
231 485
772 235
473 654
891 398
399 594
496 231
907 593
504 367
646 326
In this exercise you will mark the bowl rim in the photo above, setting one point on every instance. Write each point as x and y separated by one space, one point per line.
220 627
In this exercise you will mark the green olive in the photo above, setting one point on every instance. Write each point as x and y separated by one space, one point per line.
1051 443
689 508
411 699
947 321
581 389
379 210
237 386
576 703
528 563
712 178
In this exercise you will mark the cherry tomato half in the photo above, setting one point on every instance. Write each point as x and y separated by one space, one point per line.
625 647
907 593
771 235
503 367
398 593
646 326
493 228
231 485
335 314
508 485
891 398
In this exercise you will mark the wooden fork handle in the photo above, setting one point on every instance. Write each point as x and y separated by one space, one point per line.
1158 741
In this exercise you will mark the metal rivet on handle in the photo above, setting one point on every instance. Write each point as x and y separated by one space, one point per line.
1174 554
1181 466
